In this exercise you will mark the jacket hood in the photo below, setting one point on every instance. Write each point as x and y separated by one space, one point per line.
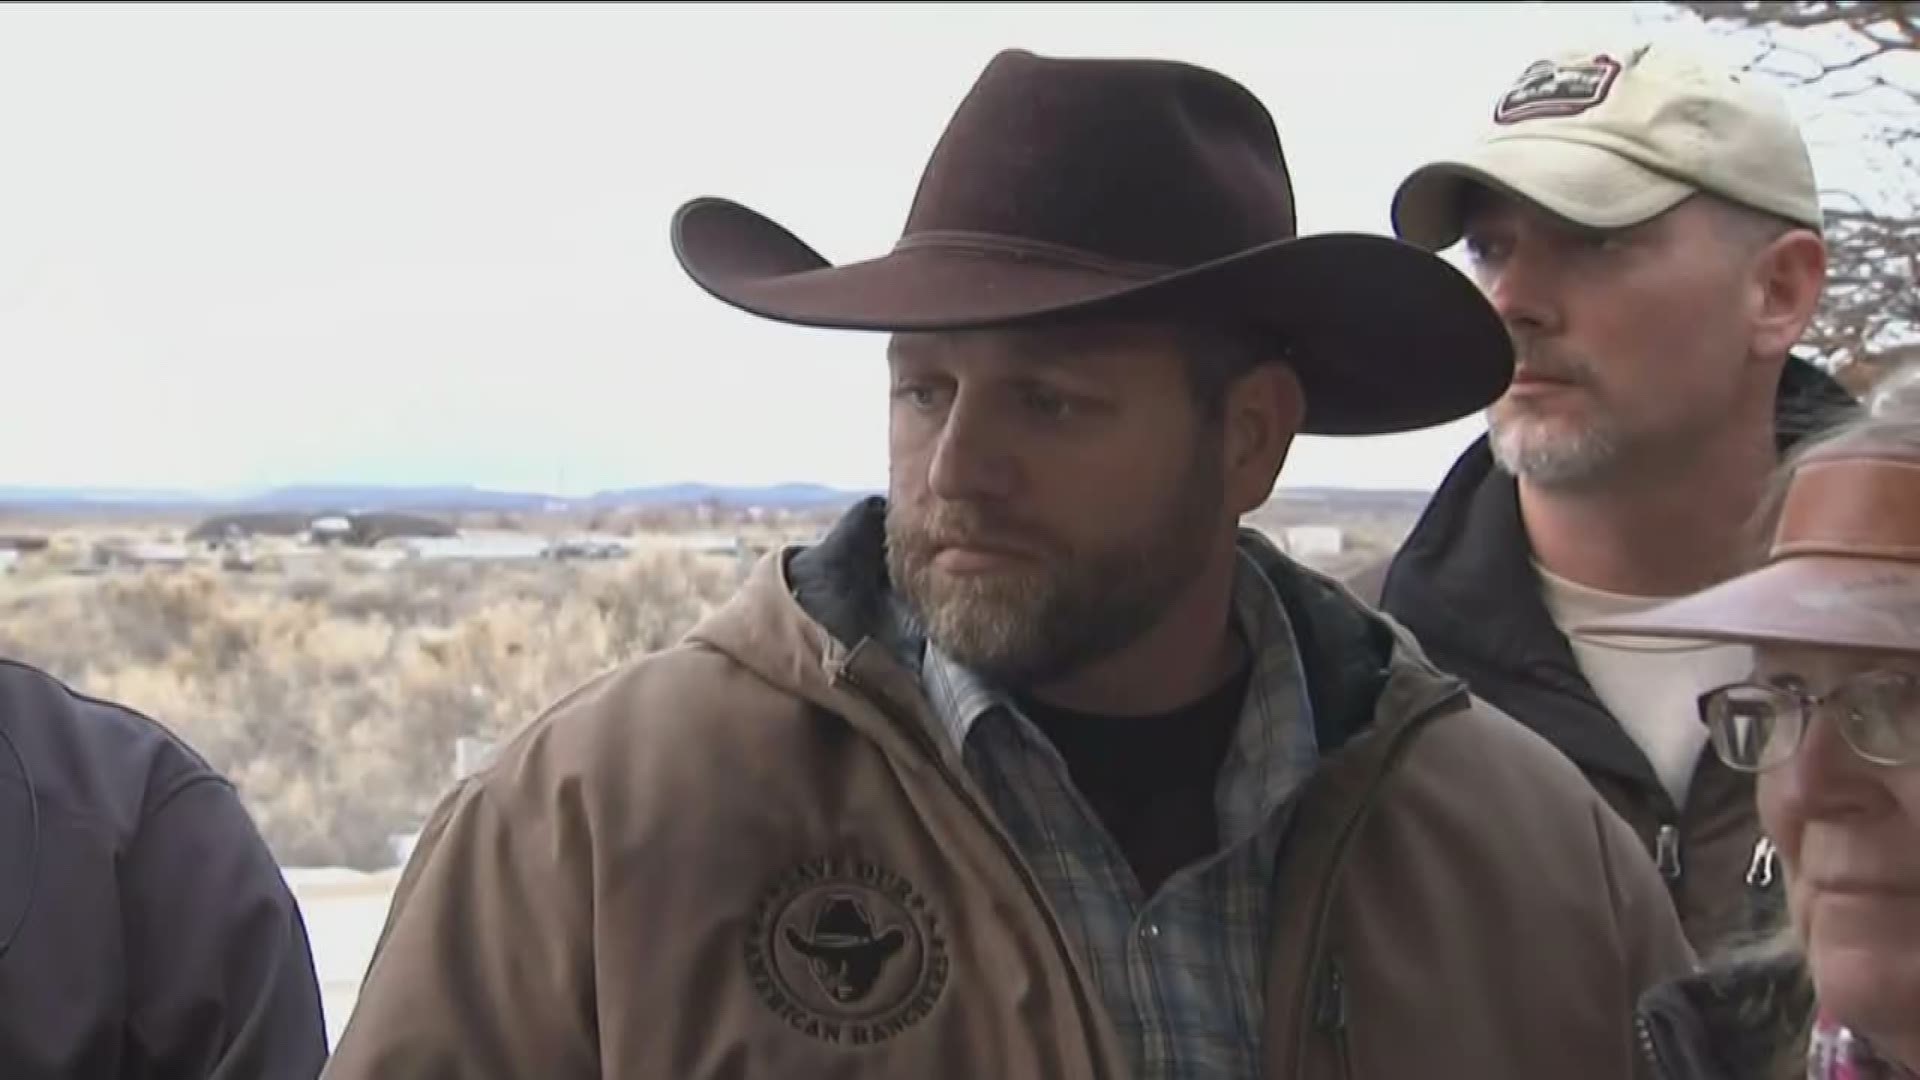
809 614
1463 583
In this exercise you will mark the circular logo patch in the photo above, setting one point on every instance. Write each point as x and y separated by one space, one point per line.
846 951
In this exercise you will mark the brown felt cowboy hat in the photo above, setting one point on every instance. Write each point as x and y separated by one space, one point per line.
1844 569
1136 188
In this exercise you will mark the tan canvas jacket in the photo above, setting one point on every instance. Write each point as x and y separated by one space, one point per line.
748 856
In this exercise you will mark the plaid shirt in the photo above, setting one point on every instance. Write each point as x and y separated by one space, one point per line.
1181 972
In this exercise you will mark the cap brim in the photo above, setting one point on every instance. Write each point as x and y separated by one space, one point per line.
1583 184
1383 336
1811 600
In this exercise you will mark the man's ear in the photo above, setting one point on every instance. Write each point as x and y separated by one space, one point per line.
1265 407
1789 277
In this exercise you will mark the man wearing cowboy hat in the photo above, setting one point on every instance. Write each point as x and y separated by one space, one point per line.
1041 766
1648 226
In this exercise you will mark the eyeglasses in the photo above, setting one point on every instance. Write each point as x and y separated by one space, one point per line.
1757 726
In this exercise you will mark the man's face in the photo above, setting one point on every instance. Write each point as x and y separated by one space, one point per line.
1631 346
1051 492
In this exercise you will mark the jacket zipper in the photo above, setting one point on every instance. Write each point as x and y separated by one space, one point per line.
1332 1017
1666 852
1323 971
1760 868
1034 892
1648 1050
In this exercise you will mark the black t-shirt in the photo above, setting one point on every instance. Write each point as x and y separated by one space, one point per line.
1151 778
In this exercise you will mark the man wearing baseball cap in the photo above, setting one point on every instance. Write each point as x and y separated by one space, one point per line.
1647 225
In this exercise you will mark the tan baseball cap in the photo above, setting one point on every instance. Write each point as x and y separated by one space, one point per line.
1612 139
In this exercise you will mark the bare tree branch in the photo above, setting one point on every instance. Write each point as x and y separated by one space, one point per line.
1844 55
1801 16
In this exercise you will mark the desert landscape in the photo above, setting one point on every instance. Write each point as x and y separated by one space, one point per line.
343 662
344 656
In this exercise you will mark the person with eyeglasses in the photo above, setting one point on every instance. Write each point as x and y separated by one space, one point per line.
1829 724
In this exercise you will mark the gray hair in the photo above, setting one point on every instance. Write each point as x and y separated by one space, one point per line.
1888 420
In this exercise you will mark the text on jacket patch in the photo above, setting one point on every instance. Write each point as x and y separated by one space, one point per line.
847 951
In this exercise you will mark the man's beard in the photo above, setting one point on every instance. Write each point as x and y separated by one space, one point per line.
1550 451
1549 454
1035 623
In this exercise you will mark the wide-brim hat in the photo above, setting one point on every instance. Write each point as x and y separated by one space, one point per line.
1844 569
1096 188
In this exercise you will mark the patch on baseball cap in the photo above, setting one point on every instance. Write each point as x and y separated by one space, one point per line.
1557 88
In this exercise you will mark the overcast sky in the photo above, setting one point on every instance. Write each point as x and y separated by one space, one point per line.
243 247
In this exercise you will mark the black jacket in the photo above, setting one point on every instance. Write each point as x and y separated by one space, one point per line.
1744 1022
145 929
1463 583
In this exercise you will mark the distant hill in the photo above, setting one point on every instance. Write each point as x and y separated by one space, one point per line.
62 498
353 498
793 496
365 529
446 499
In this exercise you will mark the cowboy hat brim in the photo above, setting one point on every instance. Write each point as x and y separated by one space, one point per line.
1384 337
1808 600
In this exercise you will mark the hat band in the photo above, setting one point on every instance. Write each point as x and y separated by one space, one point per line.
1026 250
1862 507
